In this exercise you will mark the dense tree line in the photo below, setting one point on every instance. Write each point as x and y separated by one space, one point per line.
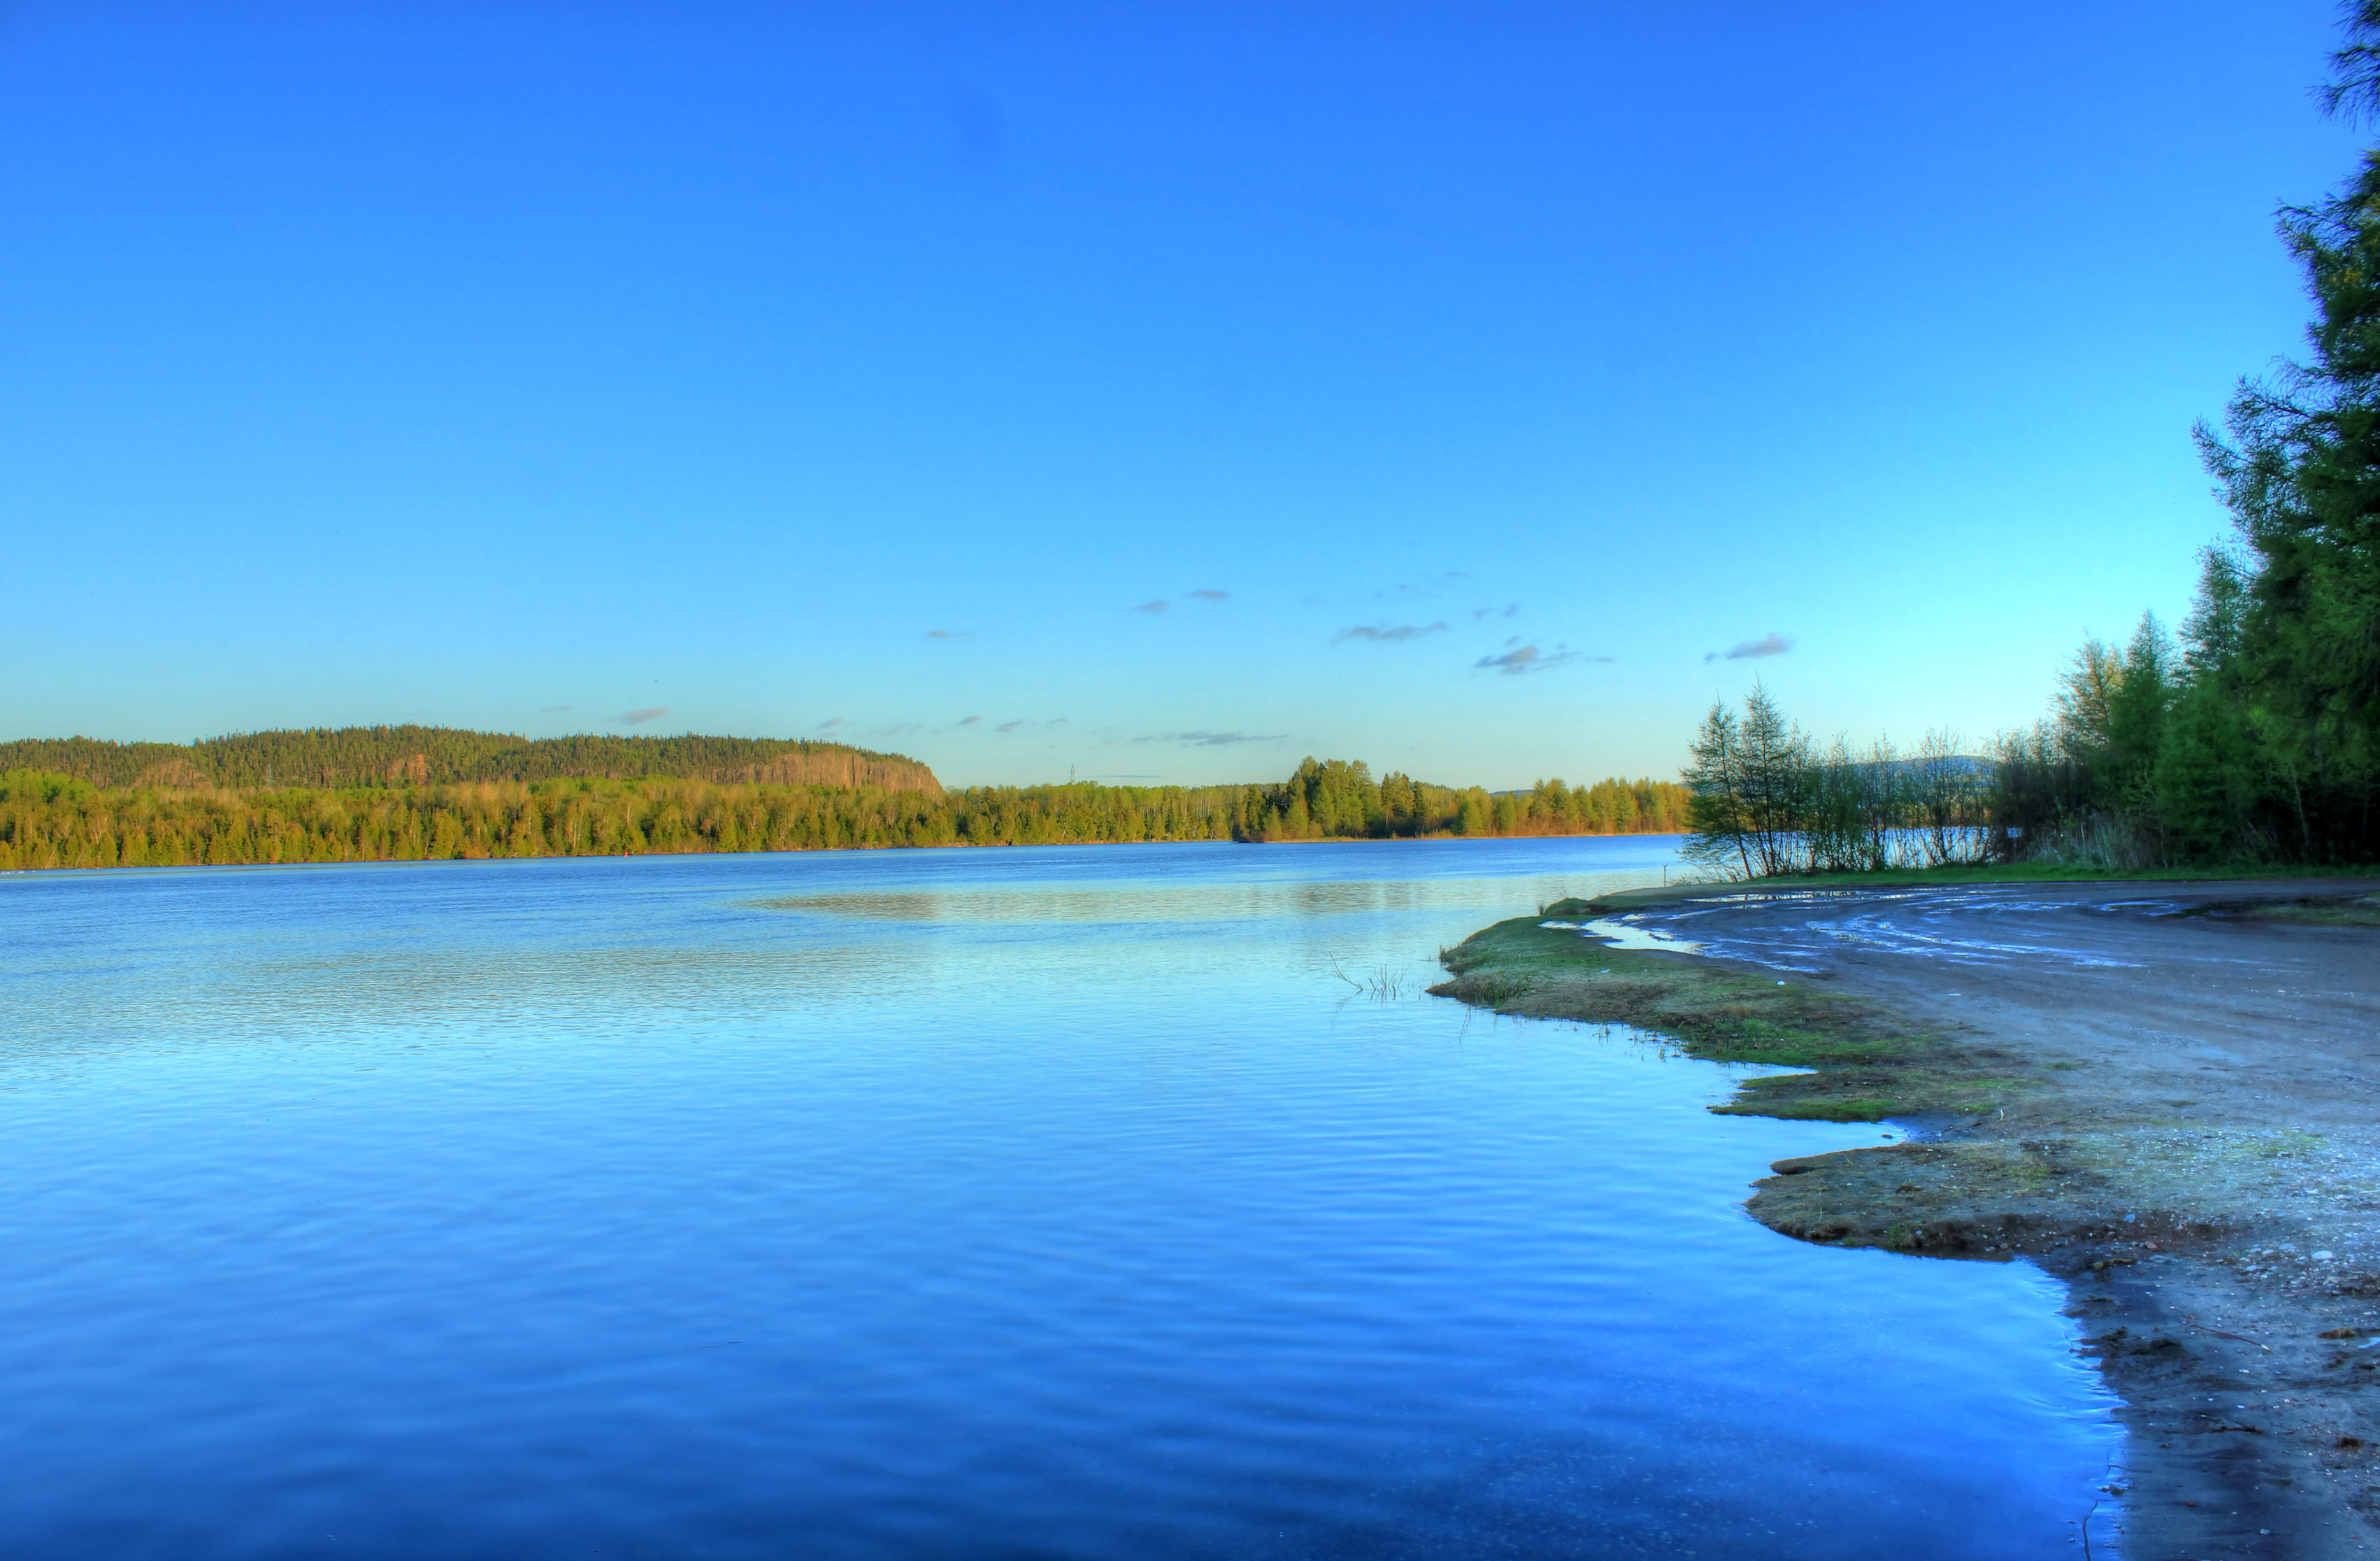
2255 736
351 757
1336 798
53 821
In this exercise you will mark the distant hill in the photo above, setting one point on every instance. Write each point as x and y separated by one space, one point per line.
359 795
397 756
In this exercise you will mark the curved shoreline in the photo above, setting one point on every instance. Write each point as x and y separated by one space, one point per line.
2167 1094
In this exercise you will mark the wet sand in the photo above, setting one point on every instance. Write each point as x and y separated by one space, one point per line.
2192 1137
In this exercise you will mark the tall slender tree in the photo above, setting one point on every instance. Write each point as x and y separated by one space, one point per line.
1718 836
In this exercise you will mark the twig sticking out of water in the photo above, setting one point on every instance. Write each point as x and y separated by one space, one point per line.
1383 985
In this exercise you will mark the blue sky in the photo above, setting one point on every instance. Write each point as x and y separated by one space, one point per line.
1155 391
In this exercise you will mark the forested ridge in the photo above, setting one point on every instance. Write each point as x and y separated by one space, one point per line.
355 757
52 819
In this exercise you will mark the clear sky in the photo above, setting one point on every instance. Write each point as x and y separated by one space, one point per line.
1158 391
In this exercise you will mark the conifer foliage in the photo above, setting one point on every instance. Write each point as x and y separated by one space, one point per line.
1765 801
2257 735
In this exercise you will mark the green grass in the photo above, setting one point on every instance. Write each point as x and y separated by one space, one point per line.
1861 1063
2028 1159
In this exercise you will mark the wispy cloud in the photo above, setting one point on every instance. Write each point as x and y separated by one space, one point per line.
1532 658
1511 610
1388 632
950 633
971 721
1011 726
639 717
1210 595
556 709
1212 740
829 724
1752 650
1156 606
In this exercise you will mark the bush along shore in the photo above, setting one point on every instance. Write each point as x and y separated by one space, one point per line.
49 820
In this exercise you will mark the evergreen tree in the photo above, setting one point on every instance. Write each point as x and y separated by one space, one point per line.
1775 768
2296 629
1717 817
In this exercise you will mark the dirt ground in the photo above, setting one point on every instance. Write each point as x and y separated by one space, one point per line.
2185 1121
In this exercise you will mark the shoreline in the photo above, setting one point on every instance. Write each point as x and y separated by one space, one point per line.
1439 838
2110 1079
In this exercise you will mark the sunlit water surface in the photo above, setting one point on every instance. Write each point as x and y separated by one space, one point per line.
1025 1204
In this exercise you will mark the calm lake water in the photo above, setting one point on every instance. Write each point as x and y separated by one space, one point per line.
1059 1202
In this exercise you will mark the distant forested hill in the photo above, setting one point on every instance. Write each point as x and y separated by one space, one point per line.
352 757
50 817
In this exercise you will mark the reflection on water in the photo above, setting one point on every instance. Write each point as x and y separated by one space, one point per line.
1068 1202
1623 932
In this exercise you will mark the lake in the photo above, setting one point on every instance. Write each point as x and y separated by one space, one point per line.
1112 1201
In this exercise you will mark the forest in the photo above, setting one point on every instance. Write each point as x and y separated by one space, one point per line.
55 820
2252 737
358 757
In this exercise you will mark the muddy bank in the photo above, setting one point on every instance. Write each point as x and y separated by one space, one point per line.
2169 1093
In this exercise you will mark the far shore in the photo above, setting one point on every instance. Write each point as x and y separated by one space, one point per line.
252 866
2163 1088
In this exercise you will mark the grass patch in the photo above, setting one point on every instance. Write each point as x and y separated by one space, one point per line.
1861 1063
2021 1161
